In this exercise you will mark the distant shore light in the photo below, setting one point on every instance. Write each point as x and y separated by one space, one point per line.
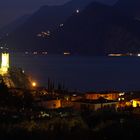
66 53
77 11
61 25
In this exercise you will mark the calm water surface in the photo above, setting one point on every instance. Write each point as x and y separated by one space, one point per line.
82 72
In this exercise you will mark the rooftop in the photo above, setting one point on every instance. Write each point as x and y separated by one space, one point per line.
98 101
104 92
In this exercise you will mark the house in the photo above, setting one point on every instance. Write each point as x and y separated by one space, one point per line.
136 102
49 103
107 95
94 105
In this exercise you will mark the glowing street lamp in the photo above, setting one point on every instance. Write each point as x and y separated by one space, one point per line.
34 84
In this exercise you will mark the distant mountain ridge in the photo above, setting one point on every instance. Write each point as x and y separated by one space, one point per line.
96 29
47 18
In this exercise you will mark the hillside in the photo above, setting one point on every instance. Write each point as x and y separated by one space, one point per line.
11 27
95 29
42 22
98 30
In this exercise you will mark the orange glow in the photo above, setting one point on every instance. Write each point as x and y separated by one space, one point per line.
66 53
34 84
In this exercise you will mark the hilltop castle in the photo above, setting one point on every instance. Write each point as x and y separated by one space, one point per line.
13 77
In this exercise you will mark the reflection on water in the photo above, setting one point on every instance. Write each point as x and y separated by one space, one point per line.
82 72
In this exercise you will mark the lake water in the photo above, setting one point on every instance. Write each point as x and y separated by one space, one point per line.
82 73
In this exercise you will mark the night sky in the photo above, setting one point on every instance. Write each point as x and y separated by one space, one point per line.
12 9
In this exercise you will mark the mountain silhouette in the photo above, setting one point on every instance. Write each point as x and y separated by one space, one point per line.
79 27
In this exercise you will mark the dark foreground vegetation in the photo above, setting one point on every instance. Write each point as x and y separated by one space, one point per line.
73 128
21 119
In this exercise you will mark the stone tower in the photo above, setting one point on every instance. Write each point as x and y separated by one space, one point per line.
4 63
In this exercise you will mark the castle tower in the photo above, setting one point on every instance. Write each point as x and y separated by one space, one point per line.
4 63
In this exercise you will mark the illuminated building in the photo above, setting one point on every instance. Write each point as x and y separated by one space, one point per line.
94 104
14 77
50 103
106 95
4 63
136 102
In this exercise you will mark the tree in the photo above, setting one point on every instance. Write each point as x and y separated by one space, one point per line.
4 94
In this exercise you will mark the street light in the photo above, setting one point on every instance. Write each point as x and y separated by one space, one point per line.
34 84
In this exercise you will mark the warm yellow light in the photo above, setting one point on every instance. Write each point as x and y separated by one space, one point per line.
134 103
5 60
121 94
34 84
66 53
4 63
